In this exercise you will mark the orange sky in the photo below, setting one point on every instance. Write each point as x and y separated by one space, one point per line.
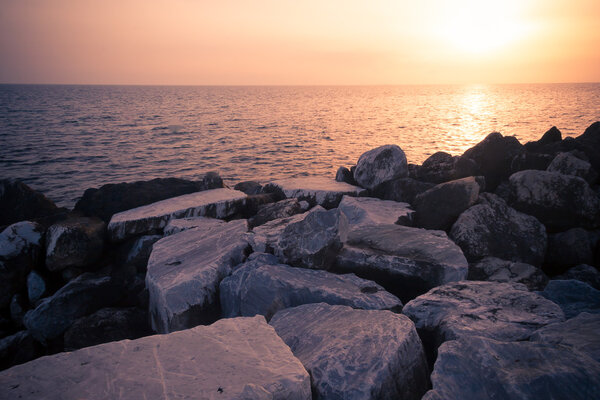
299 42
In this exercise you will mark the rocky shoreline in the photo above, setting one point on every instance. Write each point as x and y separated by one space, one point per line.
466 277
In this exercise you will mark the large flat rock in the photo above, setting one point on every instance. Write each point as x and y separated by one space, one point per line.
264 286
215 203
184 272
365 211
355 354
221 361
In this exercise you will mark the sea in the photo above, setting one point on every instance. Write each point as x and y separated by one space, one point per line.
63 139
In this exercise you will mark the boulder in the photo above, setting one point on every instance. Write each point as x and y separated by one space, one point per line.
76 242
17 349
114 198
266 235
478 231
496 270
570 248
440 206
584 273
263 286
215 203
379 165
316 190
437 168
529 160
553 135
314 241
206 362
343 174
401 189
248 187
569 164
36 287
139 251
482 368
405 261
184 272
559 201
107 325
18 202
355 354
590 143
281 209
573 296
183 224
364 211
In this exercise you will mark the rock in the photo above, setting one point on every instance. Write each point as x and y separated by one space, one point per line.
81 296
379 165
553 135
529 160
573 297
559 201
439 207
405 261
266 236
206 362
580 333
248 187
114 198
107 325
76 242
314 241
316 190
496 270
17 307
569 164
481 368
280 209
583 273
355 354
20 246
590 143
401 189
263 286
184 272
18 202
215 203
570 248
255 201
36 287
139 251
183 224
437 168
477 231
365 211
343 174
17 349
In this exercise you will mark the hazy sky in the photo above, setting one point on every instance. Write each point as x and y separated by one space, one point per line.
299 42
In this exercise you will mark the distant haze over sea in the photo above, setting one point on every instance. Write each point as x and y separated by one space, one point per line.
62 140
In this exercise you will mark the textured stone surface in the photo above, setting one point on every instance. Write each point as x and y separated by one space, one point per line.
76 242
183 224
36 287
569 164
570 248
206 362
584 273
497 270
281 209
573 296
17 349
18 202
343 174
140 250
216 203
266 236
364 211
401 189
248 187
263 286
355 354
184 272
379 165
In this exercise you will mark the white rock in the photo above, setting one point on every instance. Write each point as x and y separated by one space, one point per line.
183 224
363 211
316 190
19 238
266 235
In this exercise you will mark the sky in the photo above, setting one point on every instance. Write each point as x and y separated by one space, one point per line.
308 42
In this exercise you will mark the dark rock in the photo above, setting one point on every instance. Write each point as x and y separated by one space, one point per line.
491 228
36 287
437 168
281 209
364 211
553 135
343 174
590 143
17 349
255 201
583 273
497 270
569 164
139 251
573 297
113 198
248 187
529 160
440 206
568 249
18 307
76 242
315 190
18 202
379 165
401 189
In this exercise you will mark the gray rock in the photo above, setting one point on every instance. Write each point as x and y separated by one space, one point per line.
479 229
379 165
263 286
364 211
215 203
405 261
481 368
140 250
496 270
343 174
569 164
401 189
570 248
559 201
76 242
184 272
183 224
266 236
248 187
314 241
440 206
584 273
269 212
355 354
36 287
573 296
17 349
206 362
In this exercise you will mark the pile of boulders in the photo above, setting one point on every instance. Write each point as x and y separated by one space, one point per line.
466 277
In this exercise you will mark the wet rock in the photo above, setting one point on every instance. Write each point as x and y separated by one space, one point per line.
184 272
343 174
36 287
405 261
559 201
314 241
569 164
358 354
440 206
18 202
379 165
281 209
248 187
264 286
574 297
570 248
139 251
195 363
496 270
478 231
401 189
266 235
17 349
76 242
584 273
365 211
113 198
481 368
215 203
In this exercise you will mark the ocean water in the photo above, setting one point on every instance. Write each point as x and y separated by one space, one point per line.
62 140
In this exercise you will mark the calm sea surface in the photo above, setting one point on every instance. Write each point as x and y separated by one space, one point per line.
63 139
